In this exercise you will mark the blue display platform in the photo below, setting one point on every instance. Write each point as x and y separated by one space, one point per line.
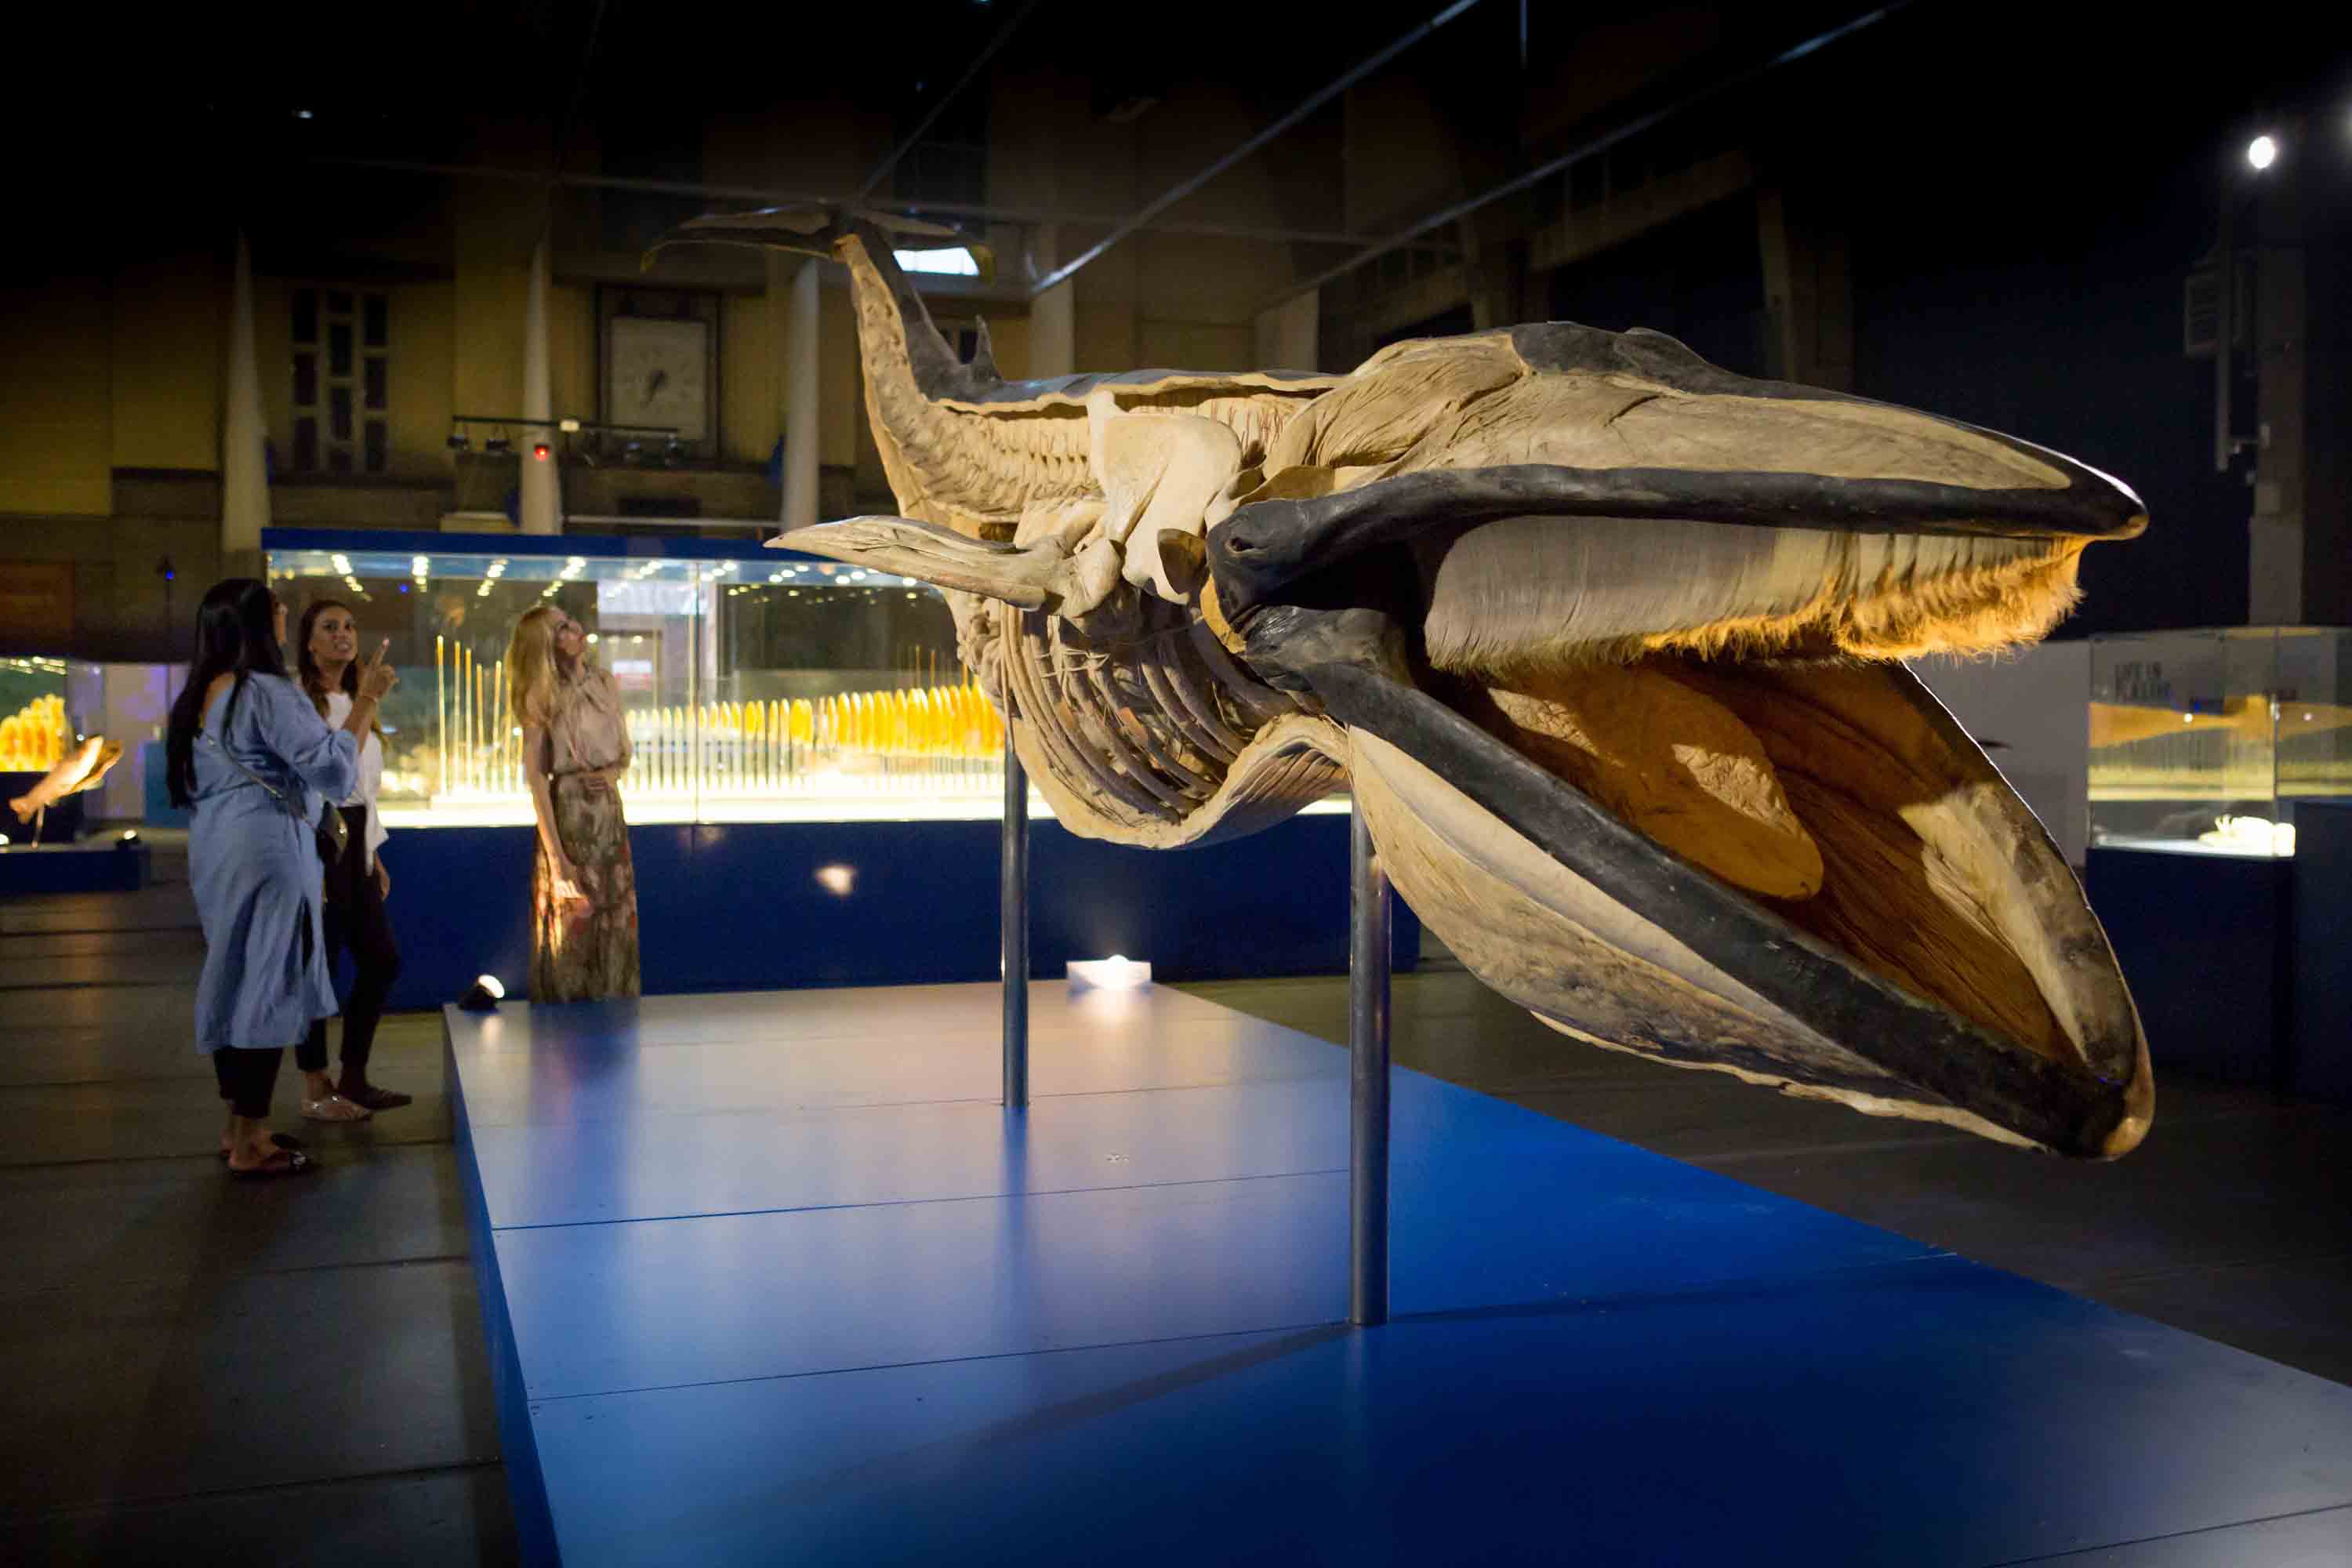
775 1279
93 866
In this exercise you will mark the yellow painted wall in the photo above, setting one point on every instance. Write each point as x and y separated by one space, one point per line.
573 392
273 353
170 322
421 323
1197 346
838 382
494 238
55 417
1400 153
1009 336
751 408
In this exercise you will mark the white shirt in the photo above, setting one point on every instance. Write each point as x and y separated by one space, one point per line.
338 708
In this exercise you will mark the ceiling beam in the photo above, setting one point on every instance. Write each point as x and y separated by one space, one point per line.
923 127
774 197
1313 102
1622 129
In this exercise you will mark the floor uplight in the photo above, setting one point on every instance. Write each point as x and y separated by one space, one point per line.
1117 973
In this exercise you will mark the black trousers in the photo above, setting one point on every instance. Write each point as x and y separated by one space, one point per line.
356 923
247 1077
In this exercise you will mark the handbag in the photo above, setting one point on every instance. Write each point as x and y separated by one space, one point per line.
334 834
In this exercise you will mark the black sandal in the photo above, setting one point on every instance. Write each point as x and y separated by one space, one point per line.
286 1140
296 1163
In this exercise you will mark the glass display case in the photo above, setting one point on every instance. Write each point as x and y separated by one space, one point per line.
34 728
2204 741
757 685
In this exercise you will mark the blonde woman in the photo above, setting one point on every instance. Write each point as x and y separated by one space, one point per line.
575 747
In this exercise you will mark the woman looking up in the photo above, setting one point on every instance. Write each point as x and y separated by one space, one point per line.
327 651
245 751
575 747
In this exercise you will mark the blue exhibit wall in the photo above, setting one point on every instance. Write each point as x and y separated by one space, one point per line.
2319 1033
739 907
2205 943
93 866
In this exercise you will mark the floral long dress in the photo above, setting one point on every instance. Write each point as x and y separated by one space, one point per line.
580 951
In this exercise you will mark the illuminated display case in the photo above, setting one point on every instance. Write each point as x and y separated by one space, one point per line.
2204 741
34 727
759 686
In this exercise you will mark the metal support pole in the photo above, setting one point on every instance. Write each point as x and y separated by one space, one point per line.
1012 913
1368 1046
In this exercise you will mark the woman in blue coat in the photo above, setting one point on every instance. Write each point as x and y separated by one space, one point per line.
247 751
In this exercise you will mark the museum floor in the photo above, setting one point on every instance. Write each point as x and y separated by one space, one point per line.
298 1372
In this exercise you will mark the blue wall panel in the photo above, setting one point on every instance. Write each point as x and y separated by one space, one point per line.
2319 1038
738 906
2204 943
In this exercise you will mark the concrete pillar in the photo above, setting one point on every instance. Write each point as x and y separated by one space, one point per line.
1053 329
542 502
2300 565
245 479
1286 334
804 348
1807 293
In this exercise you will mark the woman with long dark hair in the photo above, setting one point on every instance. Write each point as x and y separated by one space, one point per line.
243 752
327 651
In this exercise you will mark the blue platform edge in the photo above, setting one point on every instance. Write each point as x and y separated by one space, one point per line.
904 1327
93 866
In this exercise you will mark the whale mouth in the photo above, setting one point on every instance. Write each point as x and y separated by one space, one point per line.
1635 742
1797 871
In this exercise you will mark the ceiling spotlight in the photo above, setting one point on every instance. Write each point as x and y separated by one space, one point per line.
497 446
459 442
2261 152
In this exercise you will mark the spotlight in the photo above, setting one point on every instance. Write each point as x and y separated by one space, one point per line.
1115 972
484 995
129 841
836 880
497 446
2261 152
460 442
671 453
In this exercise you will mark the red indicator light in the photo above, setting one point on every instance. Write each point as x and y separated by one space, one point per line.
539 450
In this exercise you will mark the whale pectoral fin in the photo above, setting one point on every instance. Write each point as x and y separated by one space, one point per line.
1022 577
